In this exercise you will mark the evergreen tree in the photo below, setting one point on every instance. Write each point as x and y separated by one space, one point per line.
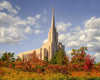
53 59
59 58
7 56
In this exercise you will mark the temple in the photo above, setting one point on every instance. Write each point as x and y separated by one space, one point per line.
49 48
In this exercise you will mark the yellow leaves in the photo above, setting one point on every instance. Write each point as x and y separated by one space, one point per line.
33 66
2 71
12 74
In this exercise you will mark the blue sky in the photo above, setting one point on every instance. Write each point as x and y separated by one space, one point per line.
24 24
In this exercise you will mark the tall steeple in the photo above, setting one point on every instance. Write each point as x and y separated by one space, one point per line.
53 35
53 20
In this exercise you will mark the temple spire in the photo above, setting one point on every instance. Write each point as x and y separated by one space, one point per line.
53 20
53 35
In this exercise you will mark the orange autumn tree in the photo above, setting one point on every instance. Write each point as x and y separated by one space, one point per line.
33 58
78 55
89 61
78 58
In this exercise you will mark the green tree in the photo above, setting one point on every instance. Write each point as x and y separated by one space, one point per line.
53 59
78 55
7 56
59 58
82 49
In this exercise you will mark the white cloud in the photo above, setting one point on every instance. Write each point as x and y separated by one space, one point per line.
13 24
7 6
9 20
31 21
13 28
28 30
38 16
97 54
38 31
93 34
82 37
62 27
11 35
61 37
98 38
18 8
97 57
68 52
88 36
46 40
94 46
93 23
78 28
73 44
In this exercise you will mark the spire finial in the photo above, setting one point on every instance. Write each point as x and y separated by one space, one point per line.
53 8
53 20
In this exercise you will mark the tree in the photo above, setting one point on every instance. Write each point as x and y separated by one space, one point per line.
80 59
59 58
78 55
7 56
32 57
53 59
89 61
82 49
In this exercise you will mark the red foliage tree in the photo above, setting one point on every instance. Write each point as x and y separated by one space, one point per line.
89 61
80 60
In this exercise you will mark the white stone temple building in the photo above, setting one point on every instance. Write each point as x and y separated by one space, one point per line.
49 48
